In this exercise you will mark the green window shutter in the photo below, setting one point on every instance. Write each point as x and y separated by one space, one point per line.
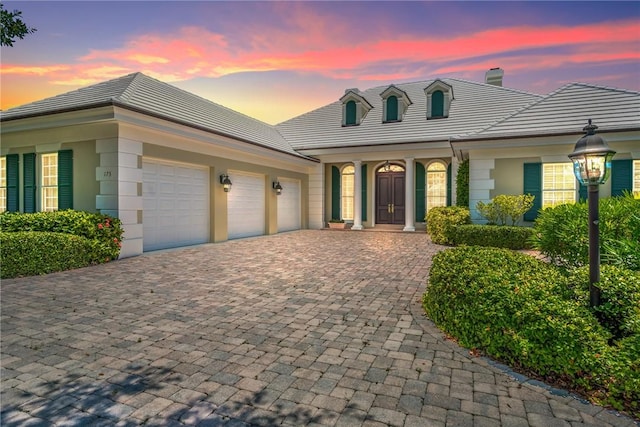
13 189
65 179
392 108
364 192
582 192
350 113
621 176
29 181
437 104
420 192
533 186
449 185
335 192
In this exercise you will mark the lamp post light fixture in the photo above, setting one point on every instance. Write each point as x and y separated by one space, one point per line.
226 182
276 186
591 159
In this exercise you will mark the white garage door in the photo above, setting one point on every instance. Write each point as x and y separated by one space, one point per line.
245 205
289 205
176 204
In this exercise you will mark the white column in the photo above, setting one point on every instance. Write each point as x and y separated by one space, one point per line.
357 196
410 193
120 177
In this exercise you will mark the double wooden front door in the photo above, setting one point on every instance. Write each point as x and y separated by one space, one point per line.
390 197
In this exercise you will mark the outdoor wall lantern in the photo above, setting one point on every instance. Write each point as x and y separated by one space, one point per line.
226 182
277 187
591 159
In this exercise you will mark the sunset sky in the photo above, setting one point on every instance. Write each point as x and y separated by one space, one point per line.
276 60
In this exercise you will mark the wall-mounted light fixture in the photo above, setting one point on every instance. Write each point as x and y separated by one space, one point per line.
277 187
226 182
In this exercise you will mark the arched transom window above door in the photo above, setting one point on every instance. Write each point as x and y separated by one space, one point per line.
390 167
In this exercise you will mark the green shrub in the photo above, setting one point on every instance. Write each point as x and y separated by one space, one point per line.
620 381
462 184
505 207
490 235
28 253
619 309
104 231
562 233
515 308
440 222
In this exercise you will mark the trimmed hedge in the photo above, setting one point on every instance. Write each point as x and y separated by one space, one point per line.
441 220
29 253
102 232
504 236
533 316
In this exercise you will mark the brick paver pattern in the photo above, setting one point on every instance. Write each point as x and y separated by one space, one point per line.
308 328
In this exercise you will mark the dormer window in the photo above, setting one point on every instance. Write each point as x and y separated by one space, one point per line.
394 104
354 107
439 97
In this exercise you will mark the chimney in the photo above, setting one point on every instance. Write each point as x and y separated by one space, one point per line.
494 76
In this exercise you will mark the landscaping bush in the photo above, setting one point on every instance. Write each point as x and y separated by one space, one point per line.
103 232
505 207
619 309
28 253
462 184
562 233
441 220
490 235
533 316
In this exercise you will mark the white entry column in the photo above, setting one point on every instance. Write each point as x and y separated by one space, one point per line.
409 203
357 196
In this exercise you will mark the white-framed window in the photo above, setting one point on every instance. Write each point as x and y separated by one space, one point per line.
49 184
347 186
436 185
3 183
636 179
558 184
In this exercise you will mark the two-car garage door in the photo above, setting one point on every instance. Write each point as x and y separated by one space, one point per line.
175 204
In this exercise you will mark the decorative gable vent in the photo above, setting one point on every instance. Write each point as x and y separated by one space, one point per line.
439 98
394 104
354 107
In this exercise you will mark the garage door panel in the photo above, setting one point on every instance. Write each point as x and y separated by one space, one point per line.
246 205
171 193
289 206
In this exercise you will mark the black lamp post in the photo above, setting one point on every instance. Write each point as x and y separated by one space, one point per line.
591 159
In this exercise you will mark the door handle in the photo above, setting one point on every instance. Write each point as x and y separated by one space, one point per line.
389 208
392 208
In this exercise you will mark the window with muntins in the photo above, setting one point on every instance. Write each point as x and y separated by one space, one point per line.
436 185
347 196
392 109
3 183
49 184
350 114
558 184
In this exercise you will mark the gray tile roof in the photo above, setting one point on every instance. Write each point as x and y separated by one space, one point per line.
567 110
148 95
475 106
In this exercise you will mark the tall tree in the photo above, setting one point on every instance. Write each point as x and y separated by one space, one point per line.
11 26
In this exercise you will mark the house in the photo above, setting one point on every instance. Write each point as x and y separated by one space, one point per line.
161 159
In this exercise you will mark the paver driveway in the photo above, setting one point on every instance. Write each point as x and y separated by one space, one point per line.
302 328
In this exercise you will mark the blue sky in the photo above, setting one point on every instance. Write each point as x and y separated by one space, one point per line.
276 60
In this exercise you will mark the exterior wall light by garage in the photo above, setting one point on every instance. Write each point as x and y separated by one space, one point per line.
591 159
277 187
226 182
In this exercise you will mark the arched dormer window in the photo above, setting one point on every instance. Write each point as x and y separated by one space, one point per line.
354 107
394 104
392 108
437 104
439 98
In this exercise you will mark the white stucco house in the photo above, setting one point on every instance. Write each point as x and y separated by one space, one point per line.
159 157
